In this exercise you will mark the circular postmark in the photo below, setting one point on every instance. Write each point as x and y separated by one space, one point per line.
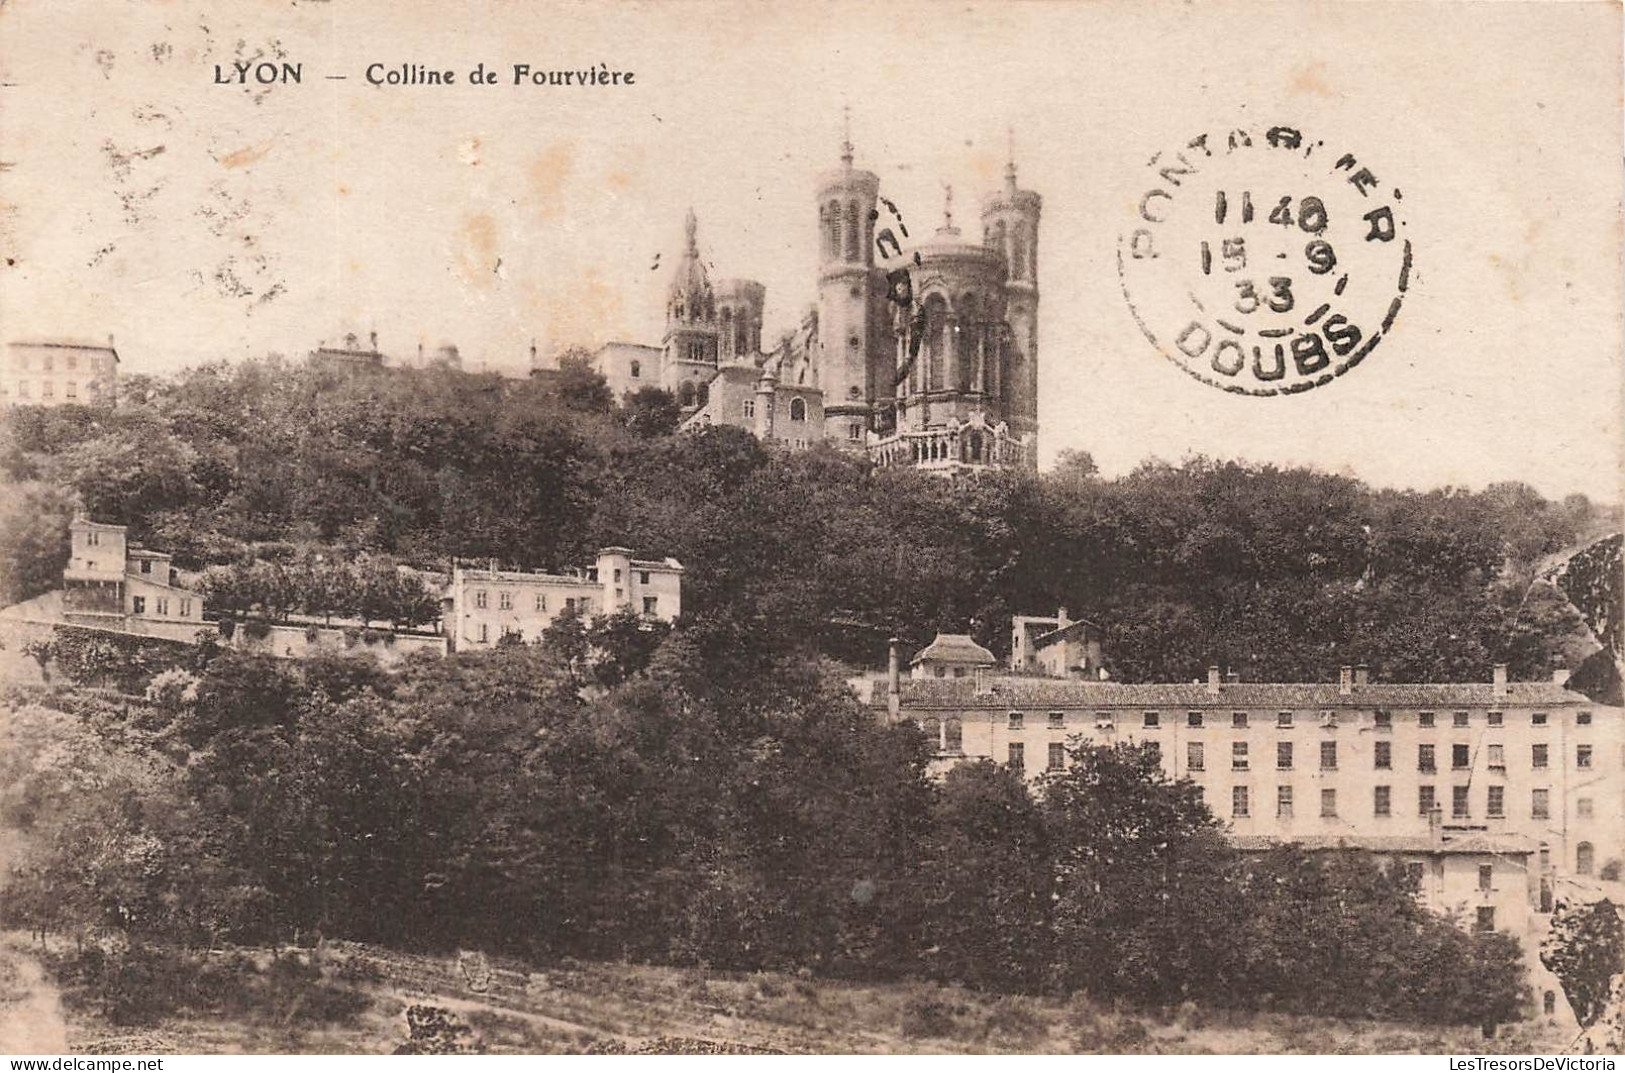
1264 263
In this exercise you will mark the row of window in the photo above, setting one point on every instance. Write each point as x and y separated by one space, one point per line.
1382 757
48 389
1241 720
47 363
160 606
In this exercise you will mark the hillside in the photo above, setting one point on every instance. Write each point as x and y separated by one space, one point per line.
510 1007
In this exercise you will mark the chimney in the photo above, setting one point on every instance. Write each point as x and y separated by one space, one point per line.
1362 675
1232 678
1061 622
372 341
1213 680
1345 680
1498 680
1560 676
894 676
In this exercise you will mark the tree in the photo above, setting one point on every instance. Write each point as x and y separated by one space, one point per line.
581 387
651 411
1585 948
34 545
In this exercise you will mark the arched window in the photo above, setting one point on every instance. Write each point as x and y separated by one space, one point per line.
953 736
704 394
975 446
936 342
1018 254
798 410
833 229
637 369
685 394
853 235
1584 858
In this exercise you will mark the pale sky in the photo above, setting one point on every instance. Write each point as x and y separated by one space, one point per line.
194 221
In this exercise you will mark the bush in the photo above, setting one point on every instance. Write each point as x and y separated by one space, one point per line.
256 629
931 1018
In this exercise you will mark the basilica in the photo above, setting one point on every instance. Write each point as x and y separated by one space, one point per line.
927 357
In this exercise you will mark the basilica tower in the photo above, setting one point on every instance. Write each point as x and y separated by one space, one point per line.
689 362
851 321
1010 226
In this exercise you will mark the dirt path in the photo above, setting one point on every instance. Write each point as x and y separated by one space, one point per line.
30 1007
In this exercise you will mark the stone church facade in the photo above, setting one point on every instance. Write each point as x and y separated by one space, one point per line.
940 374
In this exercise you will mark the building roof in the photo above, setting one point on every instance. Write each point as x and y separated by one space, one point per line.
146 553
1044 640
954 648
667 564
1016 691
533 577
98 527
106 348
1473 843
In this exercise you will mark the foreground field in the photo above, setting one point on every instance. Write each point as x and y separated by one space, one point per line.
509 1008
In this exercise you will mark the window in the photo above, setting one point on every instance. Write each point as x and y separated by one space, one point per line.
1193 719
1540 804
617 575
1238 720
1152 720
1498 757
1424 758
48 390
1238 756
1584 858
569 602
1459 719
73 390
479 598
748 408
1458 803
485 633
1057 721
1193 756
1425 801
954 735
798 409
1537 719
1382 755
1548 1003
93 539
1582 756
651 604
1486 918
138 604
504 601
1283 802
1461 756
1238 802
1382 800
1497 804
1537 755
1283 720
1328 802
637 369
854 431
1015 721
1057 756
1495 719
186 608
1283 756
1017 757
1424 719
1583 807
146 566
1582 719
541 601
1384 719
643 577
1328 756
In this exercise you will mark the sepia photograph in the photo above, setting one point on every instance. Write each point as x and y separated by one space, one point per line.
729 528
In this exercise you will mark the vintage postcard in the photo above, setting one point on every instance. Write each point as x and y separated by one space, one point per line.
754 528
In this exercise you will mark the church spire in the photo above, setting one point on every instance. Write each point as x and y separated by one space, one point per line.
1010 161
691 227
846 136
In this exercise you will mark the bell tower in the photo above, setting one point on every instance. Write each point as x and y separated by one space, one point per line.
851 326
690 360
1010 226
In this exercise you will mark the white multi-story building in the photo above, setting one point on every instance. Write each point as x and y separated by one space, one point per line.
59 373
485 605
114 584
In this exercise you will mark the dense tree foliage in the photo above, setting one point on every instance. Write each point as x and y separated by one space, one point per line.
1278 574
489 800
